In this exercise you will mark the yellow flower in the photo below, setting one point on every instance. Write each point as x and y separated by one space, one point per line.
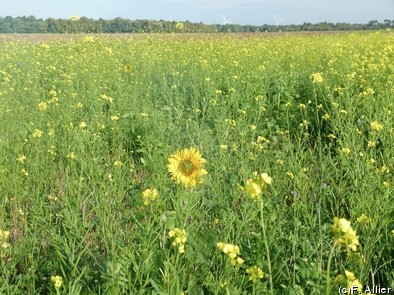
345 150
344 233
179 237
232 251
236 261
71 156
331 136
302 106
179 26
181 248
42 106
317 78
304 123
37 133
371 144
53 197
353 282
253 189
74 18
363 219
118 164
114 118
52 150
326 117
384 169
265 178
290 174
375 125
4 245
106 98
57 281
21 159
186 167
82 125
349 281
79 105
255 273
89 38
149 195
53 92
4 236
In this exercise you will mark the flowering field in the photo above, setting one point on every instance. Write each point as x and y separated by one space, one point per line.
197 164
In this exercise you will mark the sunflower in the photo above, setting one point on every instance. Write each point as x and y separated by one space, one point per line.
186 167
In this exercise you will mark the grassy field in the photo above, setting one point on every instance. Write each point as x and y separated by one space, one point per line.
196 164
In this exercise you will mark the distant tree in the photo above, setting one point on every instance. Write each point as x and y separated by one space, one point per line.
373 24
30 24
387 23
52 25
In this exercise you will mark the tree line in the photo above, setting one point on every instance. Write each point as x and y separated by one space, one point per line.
31 24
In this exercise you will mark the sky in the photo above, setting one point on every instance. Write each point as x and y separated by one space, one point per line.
252 12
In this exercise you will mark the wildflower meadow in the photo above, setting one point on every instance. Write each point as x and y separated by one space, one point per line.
197 164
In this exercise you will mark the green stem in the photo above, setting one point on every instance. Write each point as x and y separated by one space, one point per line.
328 281
266 249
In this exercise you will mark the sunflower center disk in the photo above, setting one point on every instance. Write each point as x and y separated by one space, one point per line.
187 167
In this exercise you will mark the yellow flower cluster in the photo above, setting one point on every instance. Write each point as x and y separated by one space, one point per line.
74 18
345 150
57 281
345 234
179 237
4 236
42 106
118 164
37 133
179 26
21 159
350 281
71 155
364 219
254 186
149 195
375 125
232 251
255 273
317 78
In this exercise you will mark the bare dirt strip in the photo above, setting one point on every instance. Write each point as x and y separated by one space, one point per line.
66 37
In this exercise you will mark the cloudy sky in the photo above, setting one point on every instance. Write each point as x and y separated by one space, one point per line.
254 12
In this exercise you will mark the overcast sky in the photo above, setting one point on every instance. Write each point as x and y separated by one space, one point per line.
254 12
